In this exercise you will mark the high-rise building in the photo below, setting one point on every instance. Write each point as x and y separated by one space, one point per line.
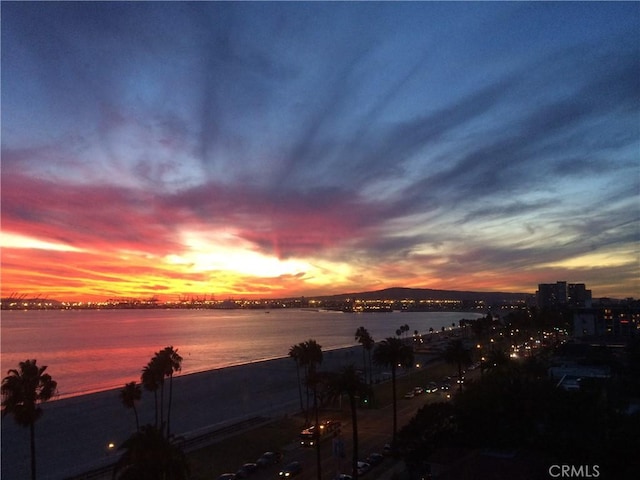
563 294
578 295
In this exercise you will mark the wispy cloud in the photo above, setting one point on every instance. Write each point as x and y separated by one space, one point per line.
345 145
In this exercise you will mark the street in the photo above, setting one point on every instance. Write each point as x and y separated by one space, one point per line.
374 431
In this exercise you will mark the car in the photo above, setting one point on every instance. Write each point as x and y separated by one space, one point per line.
374 459
290 470
344 476
247 469
445 386
363 467
418 390
227 476
409 394
431 388
386 450
269 458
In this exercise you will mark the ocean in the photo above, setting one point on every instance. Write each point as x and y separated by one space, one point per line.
93 350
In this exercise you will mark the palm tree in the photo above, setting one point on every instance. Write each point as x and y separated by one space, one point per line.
348 382
149 455
295 352
311 357
171 363
457 354
497 358
151 380
392 352
312 354
22 392
402 330
364 338
130 394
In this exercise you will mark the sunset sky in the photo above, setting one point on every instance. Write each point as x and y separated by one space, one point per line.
279 149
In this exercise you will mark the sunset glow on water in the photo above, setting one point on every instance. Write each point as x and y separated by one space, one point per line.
94 350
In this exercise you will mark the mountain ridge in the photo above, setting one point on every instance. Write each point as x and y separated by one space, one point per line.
401 293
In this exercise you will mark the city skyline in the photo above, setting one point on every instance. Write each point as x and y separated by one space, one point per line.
285 149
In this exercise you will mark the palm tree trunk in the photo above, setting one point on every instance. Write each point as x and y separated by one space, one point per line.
395 406
32 431
306 412
317 433
299 385
354 425
162 406
169 406
135 412
155 399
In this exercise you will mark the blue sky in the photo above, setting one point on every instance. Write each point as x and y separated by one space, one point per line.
270 149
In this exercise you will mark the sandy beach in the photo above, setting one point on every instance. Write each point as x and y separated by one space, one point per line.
74 433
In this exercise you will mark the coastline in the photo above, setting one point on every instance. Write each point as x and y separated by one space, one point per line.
73 434
107 349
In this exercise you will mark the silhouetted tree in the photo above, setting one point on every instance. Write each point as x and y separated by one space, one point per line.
149 455
295 352
23 390
456 353
364 338
312 357
392 352
162 365
171 363
130 395
347 382
497 358
151 380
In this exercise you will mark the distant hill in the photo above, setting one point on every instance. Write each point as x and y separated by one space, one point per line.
399 293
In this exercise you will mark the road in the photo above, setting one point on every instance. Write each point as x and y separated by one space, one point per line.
374 431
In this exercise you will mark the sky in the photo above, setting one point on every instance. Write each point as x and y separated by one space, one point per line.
234 149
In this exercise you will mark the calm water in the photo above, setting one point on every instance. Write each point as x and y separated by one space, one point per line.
87 351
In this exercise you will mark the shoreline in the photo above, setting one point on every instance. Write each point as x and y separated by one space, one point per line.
73 434
87 354
67 396
83 393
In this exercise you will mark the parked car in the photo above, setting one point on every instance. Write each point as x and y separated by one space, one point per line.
363 467
344 476
247 469
418 390
290 470
409 394
269 458
386 450
227 476
374 459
